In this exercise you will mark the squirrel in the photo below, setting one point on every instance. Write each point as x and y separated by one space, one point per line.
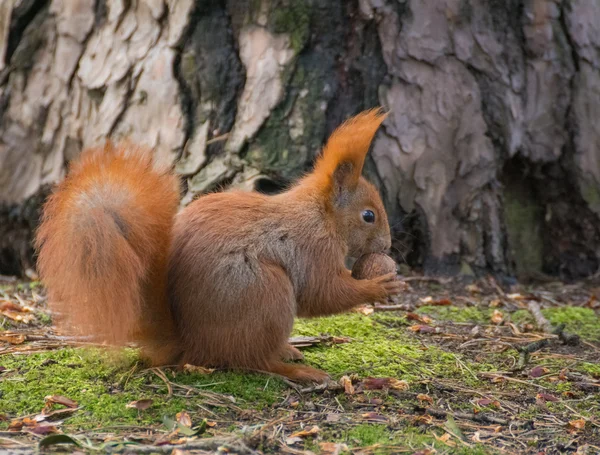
218 283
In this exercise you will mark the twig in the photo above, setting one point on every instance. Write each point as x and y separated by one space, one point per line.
525 351
161 374
401 307
546 326
508 378
541 321
483 418
213 444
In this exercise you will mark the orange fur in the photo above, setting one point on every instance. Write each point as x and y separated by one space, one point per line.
349 143
241 265
103 248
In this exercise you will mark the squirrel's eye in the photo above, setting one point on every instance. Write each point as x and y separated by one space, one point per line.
368 216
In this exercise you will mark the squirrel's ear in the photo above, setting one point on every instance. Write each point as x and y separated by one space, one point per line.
342 160
343 184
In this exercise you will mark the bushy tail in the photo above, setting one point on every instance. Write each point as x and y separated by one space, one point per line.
103 246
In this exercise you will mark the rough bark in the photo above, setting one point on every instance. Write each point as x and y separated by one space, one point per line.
489 162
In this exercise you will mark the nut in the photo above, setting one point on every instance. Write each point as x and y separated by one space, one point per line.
372 265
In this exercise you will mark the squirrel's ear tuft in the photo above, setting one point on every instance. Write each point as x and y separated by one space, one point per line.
341 163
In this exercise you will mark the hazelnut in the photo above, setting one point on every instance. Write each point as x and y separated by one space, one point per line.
372 265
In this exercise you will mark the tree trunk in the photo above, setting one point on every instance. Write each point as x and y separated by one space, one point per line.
489 161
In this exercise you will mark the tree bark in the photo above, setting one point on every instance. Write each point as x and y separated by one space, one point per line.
489 161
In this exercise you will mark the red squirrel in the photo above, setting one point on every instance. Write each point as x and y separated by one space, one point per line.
219 283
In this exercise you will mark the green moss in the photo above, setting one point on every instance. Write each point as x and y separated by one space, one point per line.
582 321
369 434
104 383
591 194
524 218
381 351
292 18
475 315
593 369
296 128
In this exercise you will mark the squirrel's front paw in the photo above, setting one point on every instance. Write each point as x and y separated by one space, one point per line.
388 286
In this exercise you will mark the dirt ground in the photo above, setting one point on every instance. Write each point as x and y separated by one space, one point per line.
452 366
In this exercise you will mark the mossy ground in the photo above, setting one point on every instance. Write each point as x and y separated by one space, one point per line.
451 369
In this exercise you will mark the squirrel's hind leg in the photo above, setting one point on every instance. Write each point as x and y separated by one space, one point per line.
296 372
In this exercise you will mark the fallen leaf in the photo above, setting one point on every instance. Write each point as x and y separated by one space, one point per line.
364 309
445 438
418 317
495 303
384 383
497 317
305 433
424 397
140 405
13 338
346 382
7 305
184 419
547 397
476 437
197 369
332 448
373 417
58 439
424 329
441 302
577 424
333 417
538 372
59 399
18 316
488 402
516 296
44 429
424 419
473 289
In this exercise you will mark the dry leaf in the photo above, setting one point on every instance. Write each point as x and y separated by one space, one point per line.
495 303
488 402
7 305
305 433
18 316
364 309
184 419
473 288
475 437
13 338
445 438
346 382
497 317
44 429
374 417
424 329
424 419
197 369
547 397
424 397
140 405
441 302
577 424
332 448
538 371
59 399
384 383
417 317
